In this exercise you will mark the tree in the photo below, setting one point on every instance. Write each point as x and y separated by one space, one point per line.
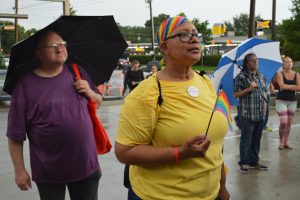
202 27
157 21
289 33
240 24
8 36
73 11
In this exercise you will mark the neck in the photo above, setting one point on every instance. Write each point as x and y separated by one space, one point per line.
287 70
178 72
48 70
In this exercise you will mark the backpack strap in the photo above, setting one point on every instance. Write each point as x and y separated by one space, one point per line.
160 99
76 71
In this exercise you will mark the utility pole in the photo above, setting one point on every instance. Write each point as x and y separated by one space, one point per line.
16 21
66 5
14 16
274 20
251 30
152 28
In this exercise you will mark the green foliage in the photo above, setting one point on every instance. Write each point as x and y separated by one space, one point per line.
208 60
137 34
8 36
296 8
157 21
289 33
144 59
240 24
1 61
202 27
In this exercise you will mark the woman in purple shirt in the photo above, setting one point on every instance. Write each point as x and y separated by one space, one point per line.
50 109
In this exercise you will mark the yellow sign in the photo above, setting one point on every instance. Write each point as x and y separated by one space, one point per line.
265 24
9 28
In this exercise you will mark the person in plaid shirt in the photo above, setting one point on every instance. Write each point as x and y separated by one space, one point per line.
250 89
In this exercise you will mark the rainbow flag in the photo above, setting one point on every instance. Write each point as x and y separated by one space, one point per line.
223 106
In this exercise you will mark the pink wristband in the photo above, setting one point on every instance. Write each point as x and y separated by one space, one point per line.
176 154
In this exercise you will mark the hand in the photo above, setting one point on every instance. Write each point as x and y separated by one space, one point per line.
23 180
83 87
134 83
223 193
253 85
194 148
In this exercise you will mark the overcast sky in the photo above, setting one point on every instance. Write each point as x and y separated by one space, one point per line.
136 12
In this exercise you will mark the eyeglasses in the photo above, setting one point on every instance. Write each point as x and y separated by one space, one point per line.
55 45
187 37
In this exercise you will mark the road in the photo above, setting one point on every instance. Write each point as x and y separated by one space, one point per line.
282 181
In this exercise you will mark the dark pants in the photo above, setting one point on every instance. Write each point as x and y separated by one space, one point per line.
86 189
132 195
267 111
251 132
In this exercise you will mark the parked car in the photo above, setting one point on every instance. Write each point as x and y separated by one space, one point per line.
3 95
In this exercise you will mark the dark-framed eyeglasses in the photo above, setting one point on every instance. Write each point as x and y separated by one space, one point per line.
62 44
187 37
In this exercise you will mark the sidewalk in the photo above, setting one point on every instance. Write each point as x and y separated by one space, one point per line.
282 181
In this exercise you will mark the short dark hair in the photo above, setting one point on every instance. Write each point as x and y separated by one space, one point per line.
135 62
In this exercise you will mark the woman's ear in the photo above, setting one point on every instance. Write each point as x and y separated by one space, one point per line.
164 48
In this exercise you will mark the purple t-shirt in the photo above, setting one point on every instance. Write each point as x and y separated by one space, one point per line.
56 121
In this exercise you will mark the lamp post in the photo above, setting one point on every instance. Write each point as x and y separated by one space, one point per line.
251 19
152 27
274 20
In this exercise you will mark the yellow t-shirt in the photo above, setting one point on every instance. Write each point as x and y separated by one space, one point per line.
180 117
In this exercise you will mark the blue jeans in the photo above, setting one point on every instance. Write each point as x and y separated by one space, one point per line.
267 112
132 195
251 132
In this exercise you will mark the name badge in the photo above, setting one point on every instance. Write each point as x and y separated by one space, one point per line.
193 91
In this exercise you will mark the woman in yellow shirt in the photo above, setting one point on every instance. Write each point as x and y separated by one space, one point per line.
161 126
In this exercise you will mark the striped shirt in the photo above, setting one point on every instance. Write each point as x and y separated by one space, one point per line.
251 106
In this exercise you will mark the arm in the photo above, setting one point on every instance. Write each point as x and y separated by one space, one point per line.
272 89
223 193
244 92
282 86
147 155
297 86
22 177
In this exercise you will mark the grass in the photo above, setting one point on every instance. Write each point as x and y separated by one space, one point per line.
297 69
205 68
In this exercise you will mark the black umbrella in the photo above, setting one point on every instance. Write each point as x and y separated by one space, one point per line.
94 42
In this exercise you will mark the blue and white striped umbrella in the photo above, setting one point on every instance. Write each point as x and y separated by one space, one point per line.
229 66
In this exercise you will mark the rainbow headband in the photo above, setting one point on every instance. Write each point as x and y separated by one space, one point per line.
168 25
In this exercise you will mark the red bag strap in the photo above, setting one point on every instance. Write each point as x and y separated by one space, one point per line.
76 71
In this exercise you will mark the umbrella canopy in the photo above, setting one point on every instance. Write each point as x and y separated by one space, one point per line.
229 66
94 42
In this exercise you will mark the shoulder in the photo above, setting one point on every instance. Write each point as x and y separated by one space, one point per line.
147 92
240 76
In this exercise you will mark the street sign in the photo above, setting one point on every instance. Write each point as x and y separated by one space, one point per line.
9 28
263 24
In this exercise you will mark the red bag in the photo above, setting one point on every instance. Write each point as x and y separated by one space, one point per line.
102 141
